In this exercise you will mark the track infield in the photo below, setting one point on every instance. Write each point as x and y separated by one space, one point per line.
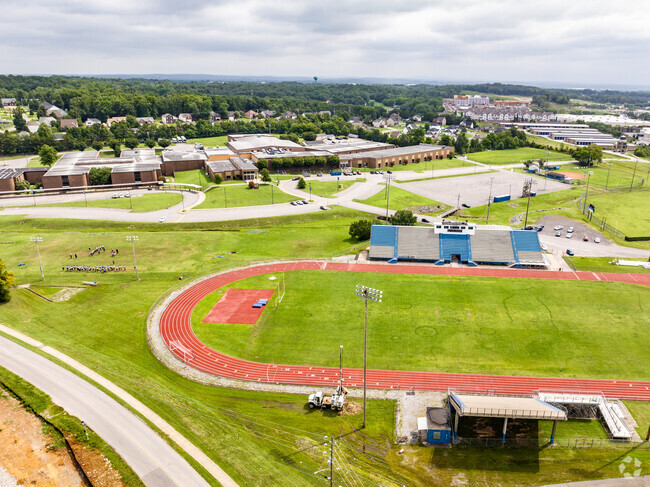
175 325
236 306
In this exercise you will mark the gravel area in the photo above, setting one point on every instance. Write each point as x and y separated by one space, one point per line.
7 480
411 406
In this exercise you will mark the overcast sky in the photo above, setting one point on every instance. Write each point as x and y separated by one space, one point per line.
575 42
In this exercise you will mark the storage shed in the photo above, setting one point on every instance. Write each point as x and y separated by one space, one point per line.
435 427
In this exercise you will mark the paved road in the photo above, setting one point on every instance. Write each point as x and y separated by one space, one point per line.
151 458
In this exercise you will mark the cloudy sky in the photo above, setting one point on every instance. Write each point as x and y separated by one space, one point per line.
575 42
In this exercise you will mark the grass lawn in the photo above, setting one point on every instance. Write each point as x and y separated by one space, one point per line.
614 174
602 264
327 189
141 204
544 141
640 411
36 161
514 156
629 212
501 213
405 181
232 196
221 141
11 158
474 325
195 176
104 328
400 199
424 166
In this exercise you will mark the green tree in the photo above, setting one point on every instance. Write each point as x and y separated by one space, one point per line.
217 178
47 155
19 121
131 142
360 229
309 136
117 147
265 175
6 282
22 185
403 217
100 176
97 145
333 160
586 156
301 184
164 143
262 164
150 143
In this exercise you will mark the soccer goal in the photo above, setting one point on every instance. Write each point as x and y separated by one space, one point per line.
181 350
279 295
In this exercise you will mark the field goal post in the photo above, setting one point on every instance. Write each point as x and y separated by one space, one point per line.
280 292
176 347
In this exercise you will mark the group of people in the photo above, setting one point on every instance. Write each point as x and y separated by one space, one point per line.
99 249
92 268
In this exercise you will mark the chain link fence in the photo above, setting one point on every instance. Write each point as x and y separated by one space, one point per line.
536 443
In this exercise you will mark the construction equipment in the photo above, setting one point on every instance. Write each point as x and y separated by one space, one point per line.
334 401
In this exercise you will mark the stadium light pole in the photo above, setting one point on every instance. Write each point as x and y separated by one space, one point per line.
38 252
388 178
133 239
633 174
367 294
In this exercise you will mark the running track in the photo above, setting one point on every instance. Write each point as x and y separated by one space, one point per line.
175 325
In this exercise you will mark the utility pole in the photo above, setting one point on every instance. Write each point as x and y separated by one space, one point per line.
332 461
133 239
85 198
489 201
38 252
388 178
530 190
271 194
458 202
367 294
633 174
609 168
584 208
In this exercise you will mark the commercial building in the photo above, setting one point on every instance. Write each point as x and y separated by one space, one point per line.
245 143
466 101
397 155
346 146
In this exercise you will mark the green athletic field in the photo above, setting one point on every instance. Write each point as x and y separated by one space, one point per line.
195 176
471 325
400 199
327 189
629 212
613 174
230 196
104 328
141 204
602 264
515 156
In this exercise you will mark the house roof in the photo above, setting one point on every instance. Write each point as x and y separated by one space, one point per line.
244 164
221 166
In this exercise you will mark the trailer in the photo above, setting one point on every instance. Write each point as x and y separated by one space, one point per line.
499 199
334 401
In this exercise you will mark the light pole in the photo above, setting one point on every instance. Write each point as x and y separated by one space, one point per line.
489 201
225 199
310 191
633 174
367 294
38 252
272 194
584 208
388 178
133 239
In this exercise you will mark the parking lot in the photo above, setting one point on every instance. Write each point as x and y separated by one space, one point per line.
474 190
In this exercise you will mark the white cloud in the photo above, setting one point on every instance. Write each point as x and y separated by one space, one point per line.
583 41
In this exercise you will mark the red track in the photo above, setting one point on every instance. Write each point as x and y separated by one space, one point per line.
175 324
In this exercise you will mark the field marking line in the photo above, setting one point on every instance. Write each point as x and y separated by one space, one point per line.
596 276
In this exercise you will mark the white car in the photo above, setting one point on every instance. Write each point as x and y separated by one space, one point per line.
569 235
570 230
558 227
544 248
597 240
127 195
115 195
162 219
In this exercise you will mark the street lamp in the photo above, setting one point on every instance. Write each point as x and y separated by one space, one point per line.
38 252
133 239
367 294
310 191
489 201
388 178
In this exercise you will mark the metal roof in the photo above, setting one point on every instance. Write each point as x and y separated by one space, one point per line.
513 407
398 151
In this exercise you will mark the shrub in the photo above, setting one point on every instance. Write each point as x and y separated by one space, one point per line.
360 229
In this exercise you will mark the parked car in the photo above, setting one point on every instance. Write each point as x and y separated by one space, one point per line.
305 202
528 227
295 178
389 172
293 203
569 235
585 239
465 205
544 248
121 195
115 195
127 195
323 207
558 234
569 252
539 228
570 230
162 219
424 220
558 227
597 240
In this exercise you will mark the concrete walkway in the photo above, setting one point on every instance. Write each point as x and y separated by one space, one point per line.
152 459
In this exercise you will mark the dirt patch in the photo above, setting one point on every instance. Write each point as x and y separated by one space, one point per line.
351 407
33 454
574 175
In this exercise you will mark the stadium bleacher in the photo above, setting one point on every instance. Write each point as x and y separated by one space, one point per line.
471 245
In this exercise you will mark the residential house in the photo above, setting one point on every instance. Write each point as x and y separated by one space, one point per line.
32 127
67 123
93 121
409 127
53 110
395 117
214 117
46 120
250 114
468 124
290 115
395 133
416 118
111 120
185 117
231 116
325 112
145 120
8 102
268 113
168 118
355 120
440 121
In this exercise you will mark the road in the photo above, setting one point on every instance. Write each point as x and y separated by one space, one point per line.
150 457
